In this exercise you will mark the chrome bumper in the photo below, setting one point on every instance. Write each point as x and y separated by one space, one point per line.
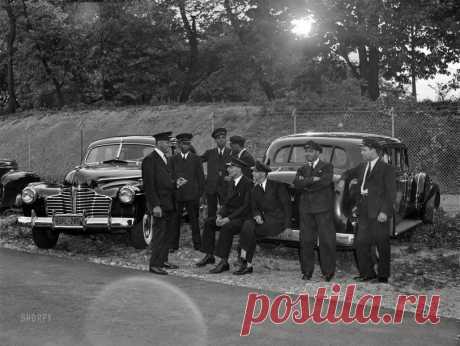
342 239
89 223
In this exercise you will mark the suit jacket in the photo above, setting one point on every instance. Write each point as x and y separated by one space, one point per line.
158 183
191 169
381 186
237 204
217 170
273 204
315 196
249 160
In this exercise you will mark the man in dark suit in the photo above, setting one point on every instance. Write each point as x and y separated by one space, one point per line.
229 220
271 215
314 182
216 159
377 183
187 172
239 151
159 189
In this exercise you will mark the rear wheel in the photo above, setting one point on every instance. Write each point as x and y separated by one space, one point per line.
44 238
142 232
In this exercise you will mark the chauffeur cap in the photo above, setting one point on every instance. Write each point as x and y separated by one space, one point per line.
238 140
219 131
260 167
163 136
372 143
184 137
313 145
237 163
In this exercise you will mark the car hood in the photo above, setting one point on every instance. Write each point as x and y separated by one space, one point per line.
103 175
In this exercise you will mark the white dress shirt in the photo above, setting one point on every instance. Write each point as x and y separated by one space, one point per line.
370 166
162 155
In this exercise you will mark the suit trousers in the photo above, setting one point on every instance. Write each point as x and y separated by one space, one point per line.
371 232
212 199
225 240
193 209
251 231
163 232
312 226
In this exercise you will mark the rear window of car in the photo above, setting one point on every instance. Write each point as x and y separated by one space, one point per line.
295 155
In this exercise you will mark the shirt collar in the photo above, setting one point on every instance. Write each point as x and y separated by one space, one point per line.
315 162
373 162
241 152
237 180
162 154
264 184
184 156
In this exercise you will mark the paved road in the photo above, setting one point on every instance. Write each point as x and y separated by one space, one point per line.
46 300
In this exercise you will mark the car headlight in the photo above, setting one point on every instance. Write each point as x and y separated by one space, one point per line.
127 194
29 195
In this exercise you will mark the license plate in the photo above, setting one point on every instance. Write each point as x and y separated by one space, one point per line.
68 220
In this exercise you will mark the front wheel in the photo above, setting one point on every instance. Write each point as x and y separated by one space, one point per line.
142 232
44 238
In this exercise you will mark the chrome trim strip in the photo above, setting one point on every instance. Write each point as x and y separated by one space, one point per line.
90 222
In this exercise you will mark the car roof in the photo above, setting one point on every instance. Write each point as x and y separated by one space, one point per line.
352 137
137 139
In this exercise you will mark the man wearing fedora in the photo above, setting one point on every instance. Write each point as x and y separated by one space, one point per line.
377 183
229 219
314 183
187 171
239 151
216 159
271 215
159 187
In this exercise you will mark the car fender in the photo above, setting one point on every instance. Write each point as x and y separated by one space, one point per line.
12 184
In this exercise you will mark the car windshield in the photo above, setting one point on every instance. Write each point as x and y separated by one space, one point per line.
295 155
113 152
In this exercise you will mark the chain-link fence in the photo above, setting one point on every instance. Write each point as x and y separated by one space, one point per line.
52 145
431 135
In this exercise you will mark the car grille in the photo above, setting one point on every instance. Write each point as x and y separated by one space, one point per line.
74 200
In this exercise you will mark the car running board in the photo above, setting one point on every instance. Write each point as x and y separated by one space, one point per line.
406 225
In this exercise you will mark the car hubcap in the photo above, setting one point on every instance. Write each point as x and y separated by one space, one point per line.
147 228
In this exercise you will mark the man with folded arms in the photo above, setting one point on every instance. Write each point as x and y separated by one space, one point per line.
271 215
229 220
314 182
375 210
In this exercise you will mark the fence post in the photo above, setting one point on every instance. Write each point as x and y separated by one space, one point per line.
392 114
82 124
212 121
294 119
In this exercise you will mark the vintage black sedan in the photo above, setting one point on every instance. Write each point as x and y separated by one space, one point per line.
104 193
417 195
12 181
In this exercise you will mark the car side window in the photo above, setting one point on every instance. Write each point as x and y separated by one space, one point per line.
298 154
339 158
397 158
282 155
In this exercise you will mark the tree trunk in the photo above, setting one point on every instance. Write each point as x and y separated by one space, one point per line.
10 47
192 65
412 64
265 85
44 60
373 74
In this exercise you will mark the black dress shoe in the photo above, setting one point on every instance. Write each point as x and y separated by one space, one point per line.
158 271
306 277
364 278
172 250
328 277
168 265
197 247
220 268
380 280
243 269
208 259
